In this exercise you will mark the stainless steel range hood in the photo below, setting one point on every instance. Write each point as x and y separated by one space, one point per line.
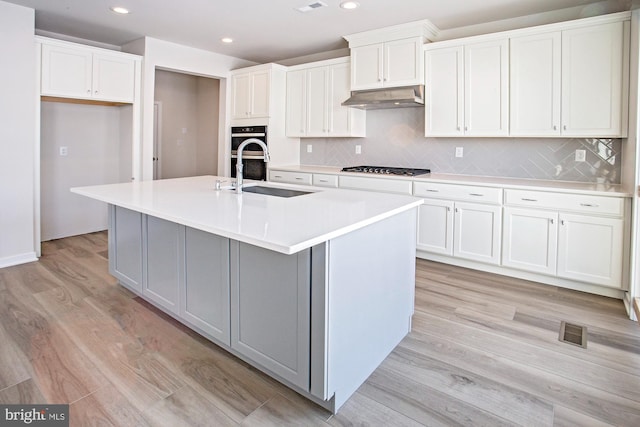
394 97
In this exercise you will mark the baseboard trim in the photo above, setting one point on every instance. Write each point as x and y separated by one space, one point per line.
18 259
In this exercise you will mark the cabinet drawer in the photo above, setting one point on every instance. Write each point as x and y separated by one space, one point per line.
375 184
322 180
566 202
465 193
290 177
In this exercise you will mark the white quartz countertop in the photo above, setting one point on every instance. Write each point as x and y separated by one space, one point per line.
286 225
604 189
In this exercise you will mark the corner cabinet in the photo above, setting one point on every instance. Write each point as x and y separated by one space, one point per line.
468 90
315 93
82 72
389 64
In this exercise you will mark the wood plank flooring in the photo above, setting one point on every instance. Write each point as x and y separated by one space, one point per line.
484 351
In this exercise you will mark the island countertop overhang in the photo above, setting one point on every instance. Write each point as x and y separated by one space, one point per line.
285 225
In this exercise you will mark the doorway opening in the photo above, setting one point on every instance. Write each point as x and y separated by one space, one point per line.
186 124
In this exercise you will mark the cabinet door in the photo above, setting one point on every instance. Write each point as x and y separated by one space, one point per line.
367 67
435 227
317 102
205 295
241 95
592 80
486 70
590 249
403 63
535 85
296 103
164 262
66 72
125 247
260 92
338 117
113 78
530 240
444 104
477 232
270 310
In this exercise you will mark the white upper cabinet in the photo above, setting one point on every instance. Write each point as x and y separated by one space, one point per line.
314 102
570 83
71 71
389 64
486 88
444 103
250 94
535 85
592 81
296 103
468 90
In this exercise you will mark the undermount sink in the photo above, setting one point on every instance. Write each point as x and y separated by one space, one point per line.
278 192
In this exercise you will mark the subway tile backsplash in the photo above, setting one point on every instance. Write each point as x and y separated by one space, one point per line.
395 137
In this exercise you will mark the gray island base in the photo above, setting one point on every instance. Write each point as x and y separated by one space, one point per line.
320 320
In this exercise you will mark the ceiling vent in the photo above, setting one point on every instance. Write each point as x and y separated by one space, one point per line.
311 6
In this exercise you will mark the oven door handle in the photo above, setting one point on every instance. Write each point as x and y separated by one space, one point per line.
233 156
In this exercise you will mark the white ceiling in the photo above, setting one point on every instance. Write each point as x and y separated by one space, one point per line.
267 30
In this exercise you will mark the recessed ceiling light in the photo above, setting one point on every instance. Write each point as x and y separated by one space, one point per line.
227 40
120 10
349 5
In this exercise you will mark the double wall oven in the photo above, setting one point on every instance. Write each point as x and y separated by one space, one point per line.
252 155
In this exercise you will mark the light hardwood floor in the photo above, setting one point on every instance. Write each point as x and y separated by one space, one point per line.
484 351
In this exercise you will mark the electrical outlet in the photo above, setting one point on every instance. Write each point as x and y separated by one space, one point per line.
459 151
309 148
581 155
358 149
64 151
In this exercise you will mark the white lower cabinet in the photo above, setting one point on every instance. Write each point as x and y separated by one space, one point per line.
270 310
530 240
583 247
435 226
460 228
590 249
476 232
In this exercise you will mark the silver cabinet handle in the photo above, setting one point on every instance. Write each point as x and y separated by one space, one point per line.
555 127
277 176
589 205
89 91
448 209
457 128
551 220
323 180
528 200
476 194
466 128
562 222
564 127
299 179
456 210
432 191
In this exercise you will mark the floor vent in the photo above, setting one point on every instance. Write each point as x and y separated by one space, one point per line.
573 334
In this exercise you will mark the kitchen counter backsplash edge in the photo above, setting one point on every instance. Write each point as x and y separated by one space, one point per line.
607 189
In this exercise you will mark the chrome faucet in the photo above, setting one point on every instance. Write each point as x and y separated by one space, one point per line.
240 166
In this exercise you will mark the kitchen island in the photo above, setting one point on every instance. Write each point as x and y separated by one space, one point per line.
314 290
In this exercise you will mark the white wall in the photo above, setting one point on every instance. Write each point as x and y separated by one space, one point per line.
159 54
91 134
17 134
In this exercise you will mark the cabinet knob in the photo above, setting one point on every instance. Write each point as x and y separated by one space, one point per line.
562 222
555 127
458 128
564 127
551 220
466 128
89 91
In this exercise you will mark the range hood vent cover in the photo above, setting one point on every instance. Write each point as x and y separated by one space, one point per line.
395 97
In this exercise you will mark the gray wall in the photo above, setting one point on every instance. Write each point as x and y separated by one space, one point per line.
395 137
189 144
92 135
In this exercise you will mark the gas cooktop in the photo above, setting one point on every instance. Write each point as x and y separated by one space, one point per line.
383 170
